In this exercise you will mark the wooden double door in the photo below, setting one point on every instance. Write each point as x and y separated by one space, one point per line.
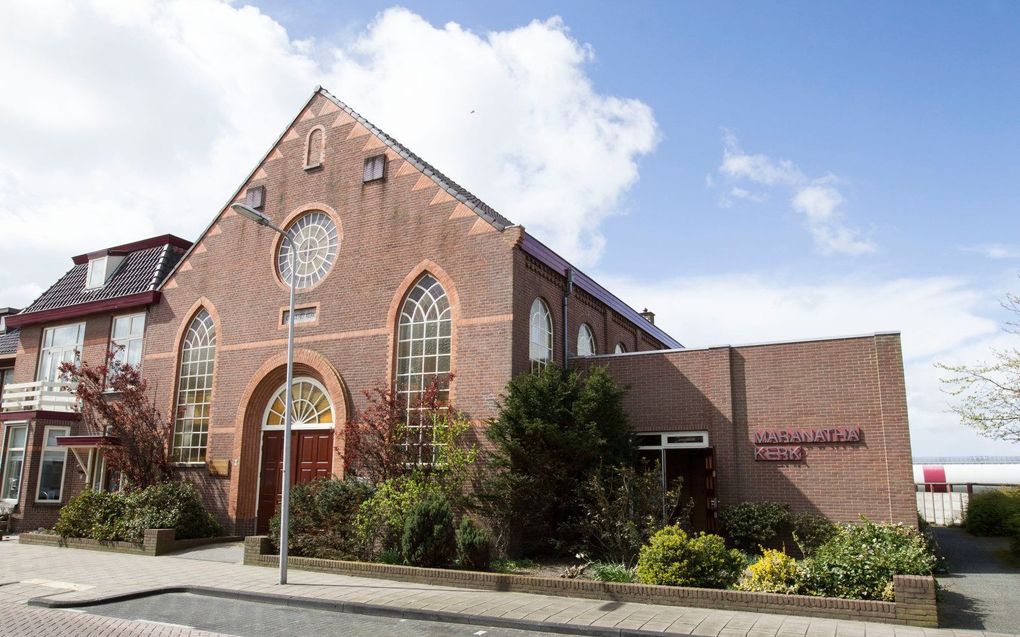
311 458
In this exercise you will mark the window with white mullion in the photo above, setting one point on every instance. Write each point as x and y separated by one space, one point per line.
540 333
424 339
194 390
50 487
126 339
13 462
59 345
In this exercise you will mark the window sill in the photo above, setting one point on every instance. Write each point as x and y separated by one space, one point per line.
312 166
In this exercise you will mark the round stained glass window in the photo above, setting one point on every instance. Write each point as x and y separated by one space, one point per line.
310 248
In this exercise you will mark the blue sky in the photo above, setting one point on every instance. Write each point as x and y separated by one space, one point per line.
749 171
915 104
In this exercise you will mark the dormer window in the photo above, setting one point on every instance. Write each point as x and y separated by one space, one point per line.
100 271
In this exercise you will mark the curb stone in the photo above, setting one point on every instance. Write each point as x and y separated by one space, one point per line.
359 608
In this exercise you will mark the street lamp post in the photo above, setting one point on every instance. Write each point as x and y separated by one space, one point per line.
263 220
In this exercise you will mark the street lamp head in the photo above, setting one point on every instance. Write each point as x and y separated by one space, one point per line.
250 213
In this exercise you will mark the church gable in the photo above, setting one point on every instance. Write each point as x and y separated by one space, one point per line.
328 137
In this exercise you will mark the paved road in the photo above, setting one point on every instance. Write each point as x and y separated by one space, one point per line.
253 619
982 591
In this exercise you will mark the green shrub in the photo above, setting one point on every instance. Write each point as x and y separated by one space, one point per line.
752 525
774 572
171 505
987 512
380 520
811 531
555 430
429 537
673 558
322 519
1013 531
474 546
860 560
97 515
621 507
117 516
610 572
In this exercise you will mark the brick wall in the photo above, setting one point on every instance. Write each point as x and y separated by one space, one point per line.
392 232
733 391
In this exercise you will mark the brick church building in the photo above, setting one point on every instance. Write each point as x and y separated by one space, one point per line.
402 274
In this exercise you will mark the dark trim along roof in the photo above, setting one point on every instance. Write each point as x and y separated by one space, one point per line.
135 283
543 253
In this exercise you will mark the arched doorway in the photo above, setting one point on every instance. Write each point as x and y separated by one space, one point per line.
311 443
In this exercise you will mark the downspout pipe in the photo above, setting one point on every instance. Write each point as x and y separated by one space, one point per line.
567 292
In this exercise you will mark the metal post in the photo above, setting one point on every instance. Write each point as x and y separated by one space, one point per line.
285 497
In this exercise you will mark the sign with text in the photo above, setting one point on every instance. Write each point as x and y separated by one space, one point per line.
783 445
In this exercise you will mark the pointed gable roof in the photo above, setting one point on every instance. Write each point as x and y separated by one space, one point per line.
448 188
455 190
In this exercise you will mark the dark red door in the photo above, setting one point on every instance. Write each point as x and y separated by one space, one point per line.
311 458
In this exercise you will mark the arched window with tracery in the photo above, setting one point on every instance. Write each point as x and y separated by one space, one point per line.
314 147
424 340
194 390
585 341
540 336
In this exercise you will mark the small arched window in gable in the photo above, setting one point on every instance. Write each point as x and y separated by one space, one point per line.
315 145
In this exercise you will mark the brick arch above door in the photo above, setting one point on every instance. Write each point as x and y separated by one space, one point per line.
251 410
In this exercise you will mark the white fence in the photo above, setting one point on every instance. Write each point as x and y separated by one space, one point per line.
40 395
942 509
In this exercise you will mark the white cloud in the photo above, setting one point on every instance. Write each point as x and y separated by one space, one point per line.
995 250
818 200
126 119
941 319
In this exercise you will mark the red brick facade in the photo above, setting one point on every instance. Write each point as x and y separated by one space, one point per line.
732 392
394 230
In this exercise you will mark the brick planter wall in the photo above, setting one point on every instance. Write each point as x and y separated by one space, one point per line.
917 607
155 542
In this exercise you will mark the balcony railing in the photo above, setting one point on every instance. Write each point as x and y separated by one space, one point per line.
42 395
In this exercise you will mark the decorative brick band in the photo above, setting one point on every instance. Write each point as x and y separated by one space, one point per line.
918 607
155 542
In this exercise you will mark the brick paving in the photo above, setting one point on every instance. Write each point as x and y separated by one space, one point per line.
79 575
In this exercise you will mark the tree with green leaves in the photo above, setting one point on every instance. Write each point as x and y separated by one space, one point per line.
555 430
988 394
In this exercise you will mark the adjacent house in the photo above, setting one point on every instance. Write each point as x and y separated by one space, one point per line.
402 275
101 304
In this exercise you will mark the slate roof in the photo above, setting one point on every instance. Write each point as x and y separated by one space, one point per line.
9 341
455 190
142 270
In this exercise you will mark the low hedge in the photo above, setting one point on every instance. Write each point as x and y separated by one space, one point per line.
322 519
988 512
110 517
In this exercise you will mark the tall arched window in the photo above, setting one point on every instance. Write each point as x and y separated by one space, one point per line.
194 390
423 354
540 335
585 341
314 147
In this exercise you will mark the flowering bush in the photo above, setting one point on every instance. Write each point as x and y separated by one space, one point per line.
774 572
860 560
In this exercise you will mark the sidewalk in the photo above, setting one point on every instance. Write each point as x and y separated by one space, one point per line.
80 575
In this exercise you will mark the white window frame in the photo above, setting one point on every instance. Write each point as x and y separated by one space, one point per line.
541 335
300 413
126 341
42 461
585 336
665 443
7 449
44 350
97 269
